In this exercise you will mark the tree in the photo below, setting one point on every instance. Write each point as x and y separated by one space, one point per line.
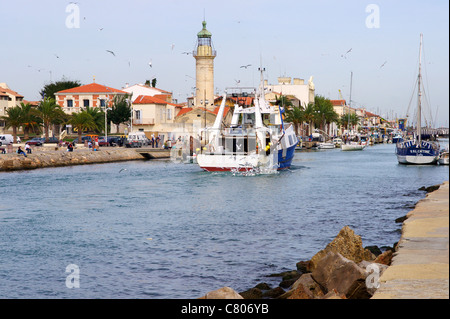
82 121
49 113
49 90
13 119
309 115
98 116
296 116
29 119
325 113
120 111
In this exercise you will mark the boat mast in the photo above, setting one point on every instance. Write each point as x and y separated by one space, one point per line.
419 95
350 103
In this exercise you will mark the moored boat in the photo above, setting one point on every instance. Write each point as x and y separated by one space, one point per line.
418 151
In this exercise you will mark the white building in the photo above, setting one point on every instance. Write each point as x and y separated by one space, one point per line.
297 88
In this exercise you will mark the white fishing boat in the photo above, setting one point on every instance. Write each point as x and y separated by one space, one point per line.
256 139
418 151
349 145
352 147
326 145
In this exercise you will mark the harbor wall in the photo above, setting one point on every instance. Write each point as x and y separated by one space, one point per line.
57 158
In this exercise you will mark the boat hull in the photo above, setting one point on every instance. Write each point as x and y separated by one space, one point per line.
223 163
410 153
352 147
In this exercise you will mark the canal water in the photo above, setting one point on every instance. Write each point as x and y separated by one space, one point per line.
157 229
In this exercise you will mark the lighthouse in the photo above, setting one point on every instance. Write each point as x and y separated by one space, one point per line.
204 55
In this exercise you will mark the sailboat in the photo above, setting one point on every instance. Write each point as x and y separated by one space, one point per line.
418 151
256 140
351 146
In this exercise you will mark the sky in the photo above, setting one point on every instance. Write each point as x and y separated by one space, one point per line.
376 41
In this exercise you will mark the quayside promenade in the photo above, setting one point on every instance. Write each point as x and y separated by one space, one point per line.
42 157
420 266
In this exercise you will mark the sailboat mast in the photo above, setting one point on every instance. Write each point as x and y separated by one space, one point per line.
419 95
350 103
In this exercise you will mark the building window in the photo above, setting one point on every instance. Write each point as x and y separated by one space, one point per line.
102 103
138 114
86 103
169 114
69 103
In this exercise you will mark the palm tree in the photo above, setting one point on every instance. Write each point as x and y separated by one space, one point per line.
13 119
98 117
325 112
49 113
309 115
30 120
82 121
296 116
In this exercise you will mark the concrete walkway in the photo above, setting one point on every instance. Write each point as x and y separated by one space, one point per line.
420 266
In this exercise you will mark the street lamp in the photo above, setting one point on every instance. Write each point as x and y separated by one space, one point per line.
131 118
106 101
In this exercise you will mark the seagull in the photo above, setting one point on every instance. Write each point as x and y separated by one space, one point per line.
123 169
100 29
150 63
56 56
344 55
187 53
245 66
111 52
383 64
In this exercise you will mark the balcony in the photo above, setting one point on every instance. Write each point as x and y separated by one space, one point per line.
144 121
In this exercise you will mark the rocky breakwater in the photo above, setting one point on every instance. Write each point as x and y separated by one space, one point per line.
57 158
344 269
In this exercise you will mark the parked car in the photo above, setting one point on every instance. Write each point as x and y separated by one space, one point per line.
52 140
37 141
102 141
117 140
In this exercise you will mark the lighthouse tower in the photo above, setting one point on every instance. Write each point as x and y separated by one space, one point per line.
204 55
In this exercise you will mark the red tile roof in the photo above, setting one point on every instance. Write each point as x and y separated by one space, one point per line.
338 102
91 88
8 91
147 99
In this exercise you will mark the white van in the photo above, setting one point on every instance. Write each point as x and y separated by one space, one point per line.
6 139
137 139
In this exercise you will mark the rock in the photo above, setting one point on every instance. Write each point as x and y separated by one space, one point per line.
305 288
401 219
385 258
222 293
346 243
374 250
303 266
289 278
273 293
252 293
263 286
429 189
334 295
337 272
